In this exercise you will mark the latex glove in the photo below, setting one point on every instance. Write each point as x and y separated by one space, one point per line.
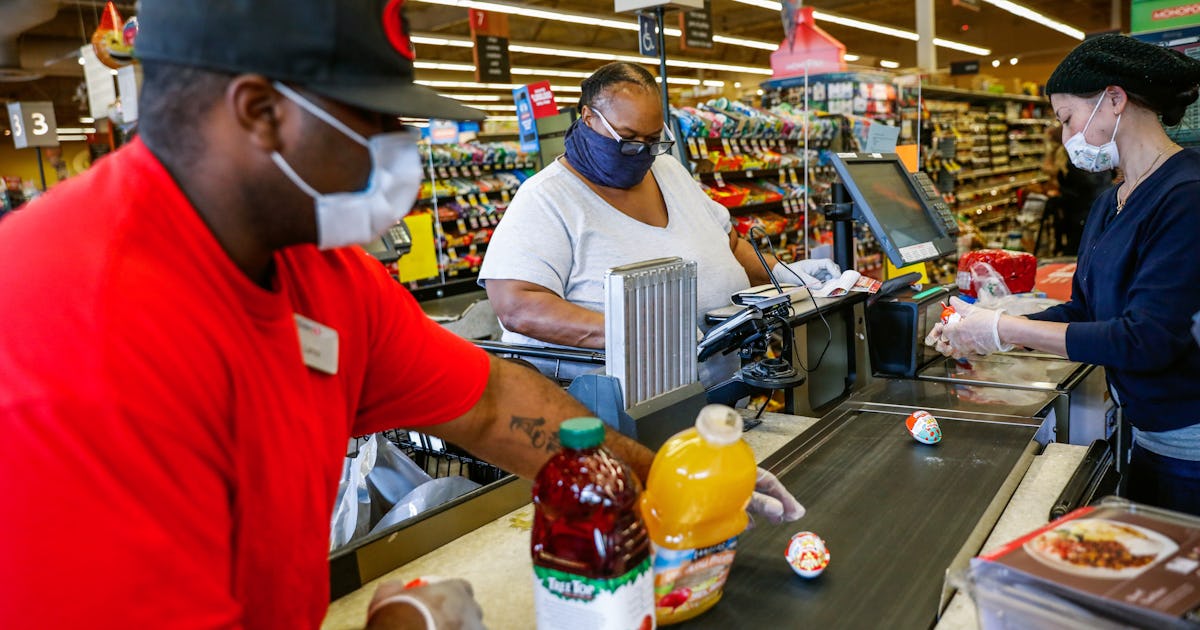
444 604
811 273
976 333
772 501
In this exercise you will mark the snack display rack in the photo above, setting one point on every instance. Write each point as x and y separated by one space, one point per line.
467 188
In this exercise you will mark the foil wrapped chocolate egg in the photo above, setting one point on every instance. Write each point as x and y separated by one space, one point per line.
924 427
807 554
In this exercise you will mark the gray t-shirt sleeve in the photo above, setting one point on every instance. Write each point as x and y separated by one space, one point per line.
531 243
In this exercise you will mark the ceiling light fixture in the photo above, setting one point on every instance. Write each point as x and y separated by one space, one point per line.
832 18
490 86
1013 61
995 63
473 97
889 64
851 58
1034 16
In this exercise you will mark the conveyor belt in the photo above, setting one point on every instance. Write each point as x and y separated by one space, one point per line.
894 513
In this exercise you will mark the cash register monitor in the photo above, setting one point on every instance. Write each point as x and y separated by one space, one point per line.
906 214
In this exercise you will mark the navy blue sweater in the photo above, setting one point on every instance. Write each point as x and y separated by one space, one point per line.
1134 292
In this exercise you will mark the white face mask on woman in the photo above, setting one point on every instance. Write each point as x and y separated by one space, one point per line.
353 218
1090 157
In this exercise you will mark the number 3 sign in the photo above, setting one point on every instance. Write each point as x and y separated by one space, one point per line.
33 124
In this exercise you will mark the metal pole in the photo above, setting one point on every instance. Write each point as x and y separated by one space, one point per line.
808 121
662 63
41 169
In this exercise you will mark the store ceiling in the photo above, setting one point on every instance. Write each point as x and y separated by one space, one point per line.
48 48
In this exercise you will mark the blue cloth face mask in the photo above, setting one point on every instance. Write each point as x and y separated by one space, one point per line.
353 218
599 158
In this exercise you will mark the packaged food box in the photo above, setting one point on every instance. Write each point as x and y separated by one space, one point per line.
1115 565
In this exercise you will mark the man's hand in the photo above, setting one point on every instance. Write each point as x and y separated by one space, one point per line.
444 605
772 501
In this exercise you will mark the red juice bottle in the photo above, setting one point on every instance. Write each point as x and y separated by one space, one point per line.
591 552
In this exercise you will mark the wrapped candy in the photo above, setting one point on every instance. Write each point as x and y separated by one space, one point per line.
924 427
807 554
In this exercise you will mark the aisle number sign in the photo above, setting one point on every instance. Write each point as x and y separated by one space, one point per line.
33 124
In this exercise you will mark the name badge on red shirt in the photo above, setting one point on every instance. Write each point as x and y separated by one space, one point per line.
318 344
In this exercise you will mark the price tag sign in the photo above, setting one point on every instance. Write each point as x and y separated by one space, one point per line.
793 177
749 174
782 177
462 225
473 199
693 149
720 180
504 195
476 170
483 198
703 148
33 124
725 145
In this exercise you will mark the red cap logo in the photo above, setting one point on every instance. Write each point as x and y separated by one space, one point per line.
393 25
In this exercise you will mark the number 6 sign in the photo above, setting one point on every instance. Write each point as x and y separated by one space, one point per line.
33 124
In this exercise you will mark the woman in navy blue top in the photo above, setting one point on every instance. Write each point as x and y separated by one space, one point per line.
1137 283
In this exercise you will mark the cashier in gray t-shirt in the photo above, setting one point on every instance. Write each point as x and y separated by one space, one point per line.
613 199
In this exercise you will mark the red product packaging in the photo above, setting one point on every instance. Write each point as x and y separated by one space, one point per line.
1019 269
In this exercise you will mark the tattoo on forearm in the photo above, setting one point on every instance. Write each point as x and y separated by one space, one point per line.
539 435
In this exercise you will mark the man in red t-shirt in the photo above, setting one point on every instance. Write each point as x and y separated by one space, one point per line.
189 342
170 451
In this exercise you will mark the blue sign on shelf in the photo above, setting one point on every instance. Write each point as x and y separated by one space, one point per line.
526 127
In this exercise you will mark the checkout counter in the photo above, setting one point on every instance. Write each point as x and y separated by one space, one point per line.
896 514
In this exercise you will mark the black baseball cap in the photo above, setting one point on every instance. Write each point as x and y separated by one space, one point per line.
357 52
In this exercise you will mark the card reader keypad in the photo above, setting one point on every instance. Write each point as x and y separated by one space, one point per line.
940 207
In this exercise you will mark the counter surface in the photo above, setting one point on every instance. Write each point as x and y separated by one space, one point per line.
495 558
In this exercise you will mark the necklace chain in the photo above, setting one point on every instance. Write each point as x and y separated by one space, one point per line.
1121 202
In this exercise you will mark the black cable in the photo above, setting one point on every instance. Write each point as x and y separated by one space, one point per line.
820 313
766 402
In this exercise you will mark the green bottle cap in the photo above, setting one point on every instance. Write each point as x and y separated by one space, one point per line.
579 433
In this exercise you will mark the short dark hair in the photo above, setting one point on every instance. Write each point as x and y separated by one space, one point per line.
608 75
174 98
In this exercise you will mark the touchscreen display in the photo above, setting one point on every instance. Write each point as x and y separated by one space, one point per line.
893 201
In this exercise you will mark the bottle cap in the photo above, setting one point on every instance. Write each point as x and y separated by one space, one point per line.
578 433
719 425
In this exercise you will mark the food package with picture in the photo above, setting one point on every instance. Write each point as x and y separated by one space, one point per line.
1116 564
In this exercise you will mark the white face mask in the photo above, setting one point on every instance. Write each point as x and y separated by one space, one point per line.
353 218
1090 157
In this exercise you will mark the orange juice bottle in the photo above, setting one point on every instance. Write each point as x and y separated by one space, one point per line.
695 508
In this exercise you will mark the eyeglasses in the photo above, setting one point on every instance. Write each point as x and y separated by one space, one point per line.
634 147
